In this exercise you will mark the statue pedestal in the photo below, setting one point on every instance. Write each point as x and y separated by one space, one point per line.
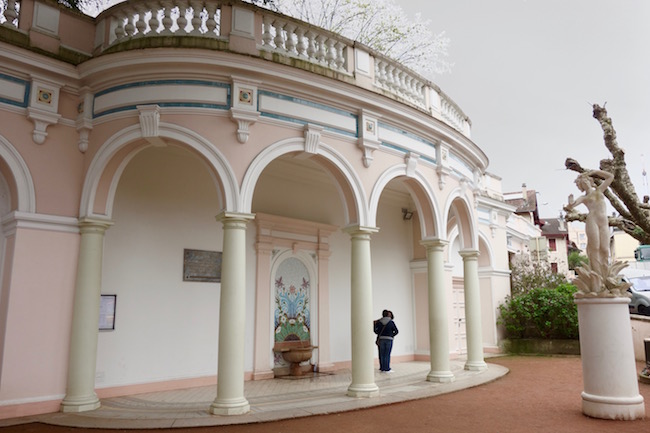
611 390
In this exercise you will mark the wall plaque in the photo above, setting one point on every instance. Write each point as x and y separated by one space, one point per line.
204 266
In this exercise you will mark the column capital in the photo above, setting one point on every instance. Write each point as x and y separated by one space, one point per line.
469 254
435 244
356 229
235 216
96 225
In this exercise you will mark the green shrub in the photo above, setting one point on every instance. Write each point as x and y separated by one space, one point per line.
547 313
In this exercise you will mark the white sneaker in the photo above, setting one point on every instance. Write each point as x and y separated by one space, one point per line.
389 371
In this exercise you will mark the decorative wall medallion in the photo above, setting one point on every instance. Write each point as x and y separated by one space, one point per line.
45 96
444 154
370 126
246 96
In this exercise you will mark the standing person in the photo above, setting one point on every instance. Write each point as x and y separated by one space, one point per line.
386 330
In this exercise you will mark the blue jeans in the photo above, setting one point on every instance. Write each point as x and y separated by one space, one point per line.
385 347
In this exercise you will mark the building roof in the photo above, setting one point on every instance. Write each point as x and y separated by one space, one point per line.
527 204
554 228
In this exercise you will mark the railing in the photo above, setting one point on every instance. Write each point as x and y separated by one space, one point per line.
168 17
278 34
453 115
296 39
393 77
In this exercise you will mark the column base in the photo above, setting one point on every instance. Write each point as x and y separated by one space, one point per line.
441 376
80 404
621 408
263 375
363 391
476 365
233 407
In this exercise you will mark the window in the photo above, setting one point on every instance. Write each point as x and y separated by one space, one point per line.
554 268
551 245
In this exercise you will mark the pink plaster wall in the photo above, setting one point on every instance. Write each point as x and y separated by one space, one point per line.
55 166
40 311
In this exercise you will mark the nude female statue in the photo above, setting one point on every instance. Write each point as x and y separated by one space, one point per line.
596 224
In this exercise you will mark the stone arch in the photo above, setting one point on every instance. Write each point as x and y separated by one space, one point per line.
486 254
458 212
110 161
19 179
349 185
421 192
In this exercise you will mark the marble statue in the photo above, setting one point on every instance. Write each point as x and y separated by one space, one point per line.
596 225
598 278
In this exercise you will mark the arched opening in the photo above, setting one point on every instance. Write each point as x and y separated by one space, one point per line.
166 317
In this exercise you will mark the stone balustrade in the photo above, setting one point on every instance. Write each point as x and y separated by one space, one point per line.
141 19
399 81
273 36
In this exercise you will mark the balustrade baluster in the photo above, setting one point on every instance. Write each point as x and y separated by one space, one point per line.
129 28
211 22
290 43
153 21
279 37
390 78
321 52
380 72
340 57
167 20
330 57
120 33
267 36
311 45
301 45
197 21
141 24
10 13
182 20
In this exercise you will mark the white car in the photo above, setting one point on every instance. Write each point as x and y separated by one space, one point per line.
640 290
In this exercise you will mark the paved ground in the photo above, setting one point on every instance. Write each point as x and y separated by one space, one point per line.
540 394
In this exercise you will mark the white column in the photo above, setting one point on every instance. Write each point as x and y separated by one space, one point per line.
80 392
232 317
363 339
475 360
438 328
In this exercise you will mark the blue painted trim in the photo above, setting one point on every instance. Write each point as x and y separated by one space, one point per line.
401 149
312 105
166 104
406 134
426 158
163 104
304 122
25 83
308 104
392 146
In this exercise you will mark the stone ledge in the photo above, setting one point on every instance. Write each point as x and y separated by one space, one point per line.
541 347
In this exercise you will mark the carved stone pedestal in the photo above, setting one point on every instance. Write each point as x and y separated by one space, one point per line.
611 390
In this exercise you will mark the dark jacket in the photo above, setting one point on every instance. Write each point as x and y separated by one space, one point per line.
389 331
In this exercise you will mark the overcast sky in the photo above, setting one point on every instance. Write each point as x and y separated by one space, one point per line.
527 72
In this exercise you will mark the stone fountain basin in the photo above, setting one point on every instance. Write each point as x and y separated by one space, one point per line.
298 354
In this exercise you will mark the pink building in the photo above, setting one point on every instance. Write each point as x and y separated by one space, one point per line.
181 193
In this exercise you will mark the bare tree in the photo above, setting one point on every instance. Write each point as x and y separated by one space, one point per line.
633 214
